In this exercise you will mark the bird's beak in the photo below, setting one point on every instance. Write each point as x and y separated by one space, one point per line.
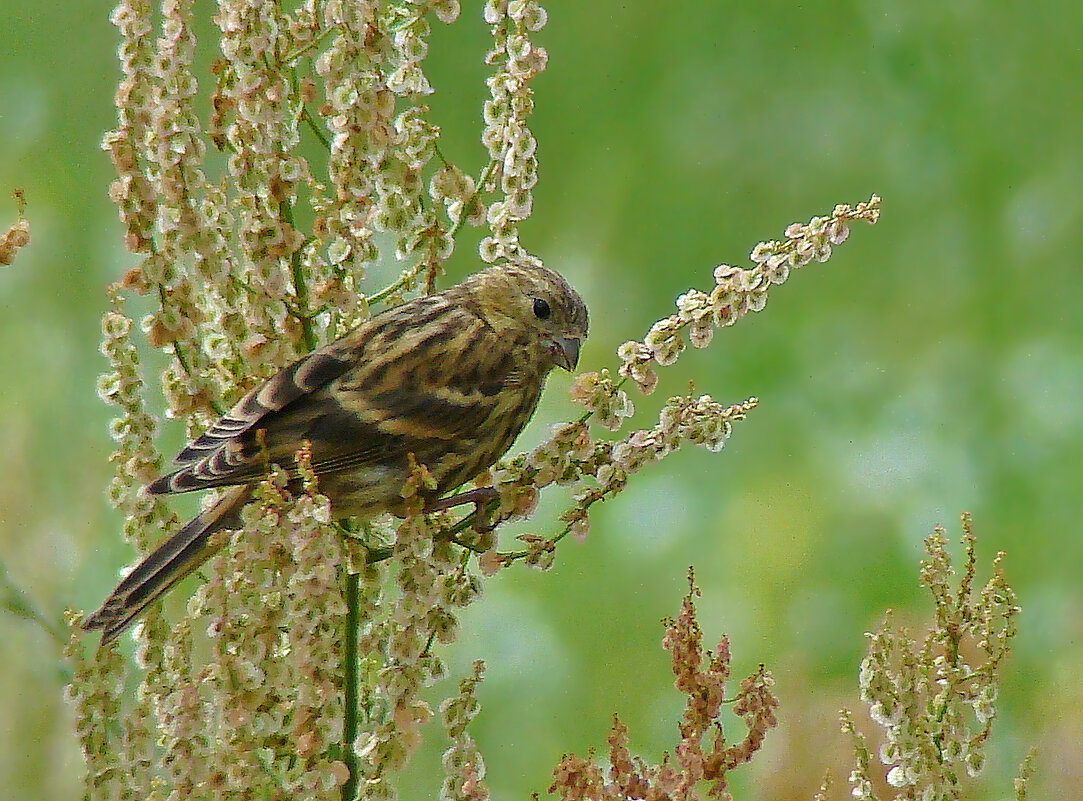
566 352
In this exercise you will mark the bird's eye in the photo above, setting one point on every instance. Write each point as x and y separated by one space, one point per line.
541 309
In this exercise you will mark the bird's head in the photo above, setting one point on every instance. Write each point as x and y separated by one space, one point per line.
526 297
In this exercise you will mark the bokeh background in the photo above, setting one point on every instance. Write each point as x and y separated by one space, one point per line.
935 364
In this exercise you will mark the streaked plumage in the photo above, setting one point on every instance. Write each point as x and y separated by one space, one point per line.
450 377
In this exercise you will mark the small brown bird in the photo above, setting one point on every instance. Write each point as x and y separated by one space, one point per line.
451 378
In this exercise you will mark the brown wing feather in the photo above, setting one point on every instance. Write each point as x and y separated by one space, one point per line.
300 378
215 454
392 387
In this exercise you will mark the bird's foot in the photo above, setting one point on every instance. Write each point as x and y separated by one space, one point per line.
480 497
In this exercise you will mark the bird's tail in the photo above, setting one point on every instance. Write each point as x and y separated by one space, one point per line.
169 563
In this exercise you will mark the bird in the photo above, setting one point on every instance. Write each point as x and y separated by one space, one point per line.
447 380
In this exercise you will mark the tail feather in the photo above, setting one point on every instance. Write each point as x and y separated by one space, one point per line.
169 563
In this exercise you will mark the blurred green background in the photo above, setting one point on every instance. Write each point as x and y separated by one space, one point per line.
935 364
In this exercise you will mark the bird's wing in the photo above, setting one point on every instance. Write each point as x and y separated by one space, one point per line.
399 386
299 379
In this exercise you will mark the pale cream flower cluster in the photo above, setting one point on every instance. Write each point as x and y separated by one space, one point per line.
934 700
512 146
598 469
464 767
738 291
432 583
136 458
266 706
94 694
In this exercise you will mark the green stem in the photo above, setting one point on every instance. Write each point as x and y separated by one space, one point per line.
392 288
300 287
18 603
380 554
350 685
306 115
954 636
319 40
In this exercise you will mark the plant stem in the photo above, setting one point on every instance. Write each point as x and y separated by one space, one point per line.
300 287
350 689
